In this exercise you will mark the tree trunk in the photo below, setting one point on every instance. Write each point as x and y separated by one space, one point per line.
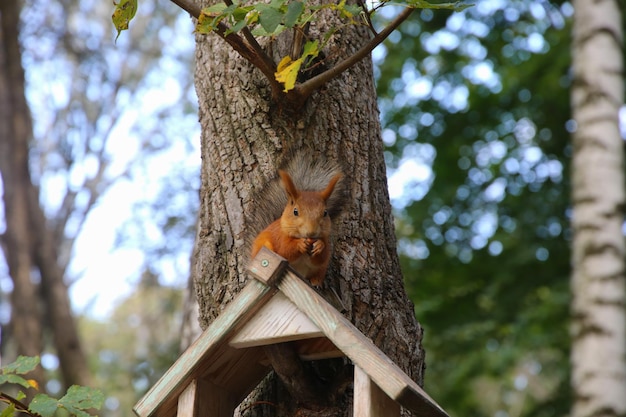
15 131
28 243
244 136
598 283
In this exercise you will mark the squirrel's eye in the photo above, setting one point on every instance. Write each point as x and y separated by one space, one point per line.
325 213
295 211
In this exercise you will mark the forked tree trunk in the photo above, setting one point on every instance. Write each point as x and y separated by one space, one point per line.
243 138
28 244
15 131
598 282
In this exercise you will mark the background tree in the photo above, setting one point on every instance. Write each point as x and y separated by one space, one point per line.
477 133
26 251
598 257
74 153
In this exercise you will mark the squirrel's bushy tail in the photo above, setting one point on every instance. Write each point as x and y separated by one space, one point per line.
309 172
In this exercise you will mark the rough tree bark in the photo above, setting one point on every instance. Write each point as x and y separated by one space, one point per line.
29 245
598 354
244 136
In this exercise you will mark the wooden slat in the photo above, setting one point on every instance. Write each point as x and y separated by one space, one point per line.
202 398
162 398
363 353
279 320
370 400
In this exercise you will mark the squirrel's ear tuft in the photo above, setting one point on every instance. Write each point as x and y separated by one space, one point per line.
331 186
290 188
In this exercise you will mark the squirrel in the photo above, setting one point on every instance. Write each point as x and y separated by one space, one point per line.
312 194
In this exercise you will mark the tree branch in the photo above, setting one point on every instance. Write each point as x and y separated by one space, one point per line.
250 50
305 89
189 6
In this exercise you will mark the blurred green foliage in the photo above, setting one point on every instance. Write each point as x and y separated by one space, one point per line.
134 347
476 125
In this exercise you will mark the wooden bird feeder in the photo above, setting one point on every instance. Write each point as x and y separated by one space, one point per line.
227 361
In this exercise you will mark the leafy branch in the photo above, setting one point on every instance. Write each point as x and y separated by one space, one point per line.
76 402
231 19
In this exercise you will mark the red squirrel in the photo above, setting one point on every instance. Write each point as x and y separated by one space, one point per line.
301 234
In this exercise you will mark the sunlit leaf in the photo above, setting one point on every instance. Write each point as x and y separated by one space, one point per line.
124 12
287 72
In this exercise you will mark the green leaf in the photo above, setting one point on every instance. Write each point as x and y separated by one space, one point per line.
76 401
240 13
259 31
23 365
294 11
15 379
269 17
215 9
9 411
457 6
277 4
210 17
351 10
44 405
236 27
124 12
311 48
82 398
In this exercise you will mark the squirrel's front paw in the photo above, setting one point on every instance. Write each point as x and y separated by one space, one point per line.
317 247
304 246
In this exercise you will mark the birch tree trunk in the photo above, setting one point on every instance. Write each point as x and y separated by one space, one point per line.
598 283
244 135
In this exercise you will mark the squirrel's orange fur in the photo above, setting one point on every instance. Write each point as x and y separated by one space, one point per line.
301 234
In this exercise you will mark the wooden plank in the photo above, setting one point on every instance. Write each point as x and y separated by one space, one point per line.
202 398
363 353
370 400
279 320
187 401
162 397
